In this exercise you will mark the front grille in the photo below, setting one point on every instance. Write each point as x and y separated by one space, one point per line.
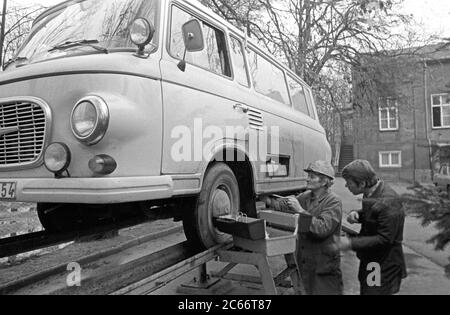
22 133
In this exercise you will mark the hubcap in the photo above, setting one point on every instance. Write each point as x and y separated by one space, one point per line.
221 203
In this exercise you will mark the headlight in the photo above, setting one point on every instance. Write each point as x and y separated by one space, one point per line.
57 158
90 120
142 32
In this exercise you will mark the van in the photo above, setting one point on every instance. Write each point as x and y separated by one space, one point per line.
117 105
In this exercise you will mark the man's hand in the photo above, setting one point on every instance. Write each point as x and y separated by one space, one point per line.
294 205
344 244
353 217
267 200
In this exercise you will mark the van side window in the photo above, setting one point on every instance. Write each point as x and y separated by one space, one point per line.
213 58
240 70
311 104
268 79
298 96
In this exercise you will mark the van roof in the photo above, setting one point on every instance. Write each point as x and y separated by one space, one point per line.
204 10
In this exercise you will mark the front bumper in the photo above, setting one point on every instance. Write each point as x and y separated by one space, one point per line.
94 190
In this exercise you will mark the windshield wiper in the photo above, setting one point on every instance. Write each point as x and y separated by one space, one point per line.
13 60
83 42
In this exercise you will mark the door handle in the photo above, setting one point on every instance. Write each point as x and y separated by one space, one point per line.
241 107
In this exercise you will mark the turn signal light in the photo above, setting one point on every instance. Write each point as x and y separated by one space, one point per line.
102 164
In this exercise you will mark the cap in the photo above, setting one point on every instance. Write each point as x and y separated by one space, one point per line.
322 168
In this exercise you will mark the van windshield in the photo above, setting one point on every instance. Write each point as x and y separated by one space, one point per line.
103 22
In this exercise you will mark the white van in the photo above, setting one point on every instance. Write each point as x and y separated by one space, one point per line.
100 114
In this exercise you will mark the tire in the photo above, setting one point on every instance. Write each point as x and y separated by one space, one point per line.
448 192
59 218
219 196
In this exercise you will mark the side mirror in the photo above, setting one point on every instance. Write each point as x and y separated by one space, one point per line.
193 40
193 36
142 32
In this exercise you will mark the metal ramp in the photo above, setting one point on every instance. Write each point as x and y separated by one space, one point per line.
281 240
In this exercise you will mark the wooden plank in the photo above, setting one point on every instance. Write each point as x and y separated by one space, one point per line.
241 278
225 270
238 257
266 276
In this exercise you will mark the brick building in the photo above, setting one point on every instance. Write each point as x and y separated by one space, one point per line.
406 133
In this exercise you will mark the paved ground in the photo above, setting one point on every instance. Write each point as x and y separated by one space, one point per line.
425 265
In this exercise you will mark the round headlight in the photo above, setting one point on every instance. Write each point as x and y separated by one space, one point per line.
142 32
57 158
84 119
90 120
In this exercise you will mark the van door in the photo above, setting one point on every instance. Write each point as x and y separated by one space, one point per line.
271 97
200 102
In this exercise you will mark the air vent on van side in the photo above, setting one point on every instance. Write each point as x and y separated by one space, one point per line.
255 119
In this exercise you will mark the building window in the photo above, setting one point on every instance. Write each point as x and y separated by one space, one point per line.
389 115
391 159
441 110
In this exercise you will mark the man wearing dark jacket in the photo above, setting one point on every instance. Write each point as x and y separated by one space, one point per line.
379 244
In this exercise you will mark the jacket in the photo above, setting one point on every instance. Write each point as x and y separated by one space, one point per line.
319 266
380 241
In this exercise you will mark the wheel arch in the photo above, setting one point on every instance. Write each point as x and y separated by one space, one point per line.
243 169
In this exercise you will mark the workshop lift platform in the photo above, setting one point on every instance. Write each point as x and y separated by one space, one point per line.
281 240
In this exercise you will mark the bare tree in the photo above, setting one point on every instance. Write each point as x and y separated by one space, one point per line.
2 32
311 35
16 24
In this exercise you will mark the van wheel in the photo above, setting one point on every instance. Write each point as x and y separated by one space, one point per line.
219 197
59 218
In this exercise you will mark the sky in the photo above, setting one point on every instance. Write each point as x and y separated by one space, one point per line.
433 14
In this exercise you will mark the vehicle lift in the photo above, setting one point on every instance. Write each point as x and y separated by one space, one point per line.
280 240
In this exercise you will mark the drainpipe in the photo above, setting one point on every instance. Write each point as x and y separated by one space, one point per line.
413 102
427 120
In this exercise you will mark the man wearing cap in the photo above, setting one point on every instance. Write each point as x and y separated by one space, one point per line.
320 230
379 244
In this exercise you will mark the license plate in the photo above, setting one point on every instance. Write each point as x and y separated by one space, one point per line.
7 191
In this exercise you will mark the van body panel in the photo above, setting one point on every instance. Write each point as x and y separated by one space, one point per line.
115 62
195 102
134 136
95 190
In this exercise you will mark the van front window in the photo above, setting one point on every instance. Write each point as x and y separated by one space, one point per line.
87 24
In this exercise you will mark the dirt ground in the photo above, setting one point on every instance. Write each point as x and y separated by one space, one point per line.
18 218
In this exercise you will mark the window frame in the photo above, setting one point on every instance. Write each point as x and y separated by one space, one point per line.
390 165
262 55
389 118
312 103
203 20
247 72
444 169
442 112
305 91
